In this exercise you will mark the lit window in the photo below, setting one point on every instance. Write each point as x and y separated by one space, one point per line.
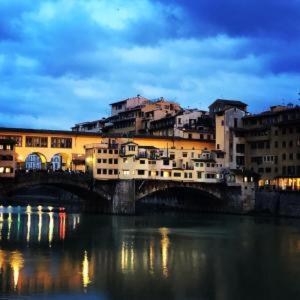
1 170
126 172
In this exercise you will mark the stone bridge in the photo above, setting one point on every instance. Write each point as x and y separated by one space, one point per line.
120 196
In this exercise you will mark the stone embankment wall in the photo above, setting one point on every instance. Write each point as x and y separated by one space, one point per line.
283 203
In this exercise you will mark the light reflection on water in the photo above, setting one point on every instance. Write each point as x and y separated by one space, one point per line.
46 250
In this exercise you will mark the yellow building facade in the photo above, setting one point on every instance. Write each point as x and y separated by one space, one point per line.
39 148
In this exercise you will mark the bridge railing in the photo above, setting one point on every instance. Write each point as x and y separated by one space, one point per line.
38 175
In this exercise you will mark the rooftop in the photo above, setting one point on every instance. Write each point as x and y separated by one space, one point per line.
229 102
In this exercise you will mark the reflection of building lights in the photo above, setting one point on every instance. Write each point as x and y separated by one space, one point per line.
40 208
85 271
151 257
28 227
40 224
28 209
50 208
127 257
165 242
2 259
62 225
51 228
9 222
17 263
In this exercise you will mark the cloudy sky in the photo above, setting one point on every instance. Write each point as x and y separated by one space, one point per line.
64 61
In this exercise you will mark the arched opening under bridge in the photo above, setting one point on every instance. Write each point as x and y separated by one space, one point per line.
180 199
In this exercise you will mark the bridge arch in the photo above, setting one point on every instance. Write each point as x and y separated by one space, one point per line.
36 161
185 196
60 161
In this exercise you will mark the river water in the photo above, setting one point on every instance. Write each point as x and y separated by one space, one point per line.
48 253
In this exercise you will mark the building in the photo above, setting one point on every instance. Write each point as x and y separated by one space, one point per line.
7 158
127 104
157 110
92 126
156 159
272 146
135 115
221 105
37 149
194 124
229 137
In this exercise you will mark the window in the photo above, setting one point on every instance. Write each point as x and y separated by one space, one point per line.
235 122
104 161
99 151
110 171
126 172
177 174
276 144
57 142
283 144
115 171
184 154
99 161
218 146
240 148
104 171
110 161
291 156
268 170
172 156
98 171
166 162
190 136
115 161
32 141
104 151
142 162
116 151
179 120
17 139
141 172
283 156
291 144
222 123
110 151
131 148
283 131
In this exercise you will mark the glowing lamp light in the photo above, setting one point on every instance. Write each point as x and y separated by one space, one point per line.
50 208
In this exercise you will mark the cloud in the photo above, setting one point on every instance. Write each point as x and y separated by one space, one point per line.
64 61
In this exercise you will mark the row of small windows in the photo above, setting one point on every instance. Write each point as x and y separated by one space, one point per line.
286 170
109 161
6 157
284 144
42 142
6 170
209 165
6 147
108 151
107 171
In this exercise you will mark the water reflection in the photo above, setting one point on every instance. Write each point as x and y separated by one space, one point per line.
52 251
164 250
85 271
17 263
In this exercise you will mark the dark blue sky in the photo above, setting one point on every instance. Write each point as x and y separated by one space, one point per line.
64 61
